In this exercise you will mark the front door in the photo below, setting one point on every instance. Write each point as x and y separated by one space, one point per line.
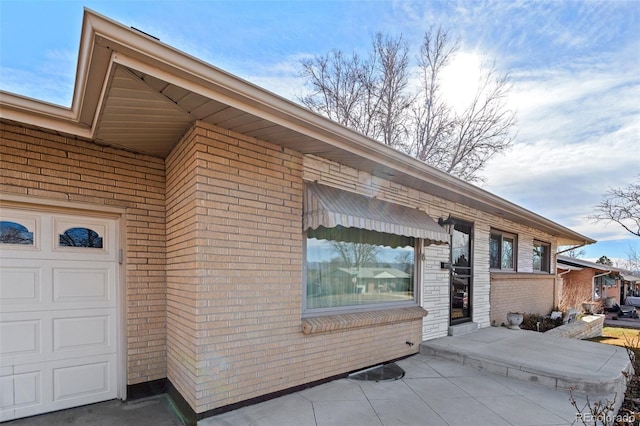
461 272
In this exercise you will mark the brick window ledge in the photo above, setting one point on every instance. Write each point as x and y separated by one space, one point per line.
327 323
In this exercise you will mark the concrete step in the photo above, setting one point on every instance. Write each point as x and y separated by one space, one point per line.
464 328
561 363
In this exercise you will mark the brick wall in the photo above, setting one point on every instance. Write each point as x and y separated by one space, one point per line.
528 293
52 167
235 290
587 327
576 288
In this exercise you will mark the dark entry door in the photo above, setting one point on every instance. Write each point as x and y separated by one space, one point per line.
461 302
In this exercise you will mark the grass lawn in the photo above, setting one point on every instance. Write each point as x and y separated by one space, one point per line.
620 336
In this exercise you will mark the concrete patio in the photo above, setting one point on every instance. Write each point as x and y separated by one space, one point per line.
491 377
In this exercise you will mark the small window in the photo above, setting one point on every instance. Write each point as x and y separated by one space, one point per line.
14 233
598 288
351 268
502 251
541 256
80 237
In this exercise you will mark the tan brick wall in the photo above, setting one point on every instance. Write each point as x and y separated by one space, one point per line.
528 293
235 318
576 288
46 166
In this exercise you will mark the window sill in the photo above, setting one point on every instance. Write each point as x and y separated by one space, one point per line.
327 323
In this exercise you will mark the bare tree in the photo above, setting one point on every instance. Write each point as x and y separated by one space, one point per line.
622 206
355 254
575 252
373 97
484 129
633 259
368 95
432 126
393 61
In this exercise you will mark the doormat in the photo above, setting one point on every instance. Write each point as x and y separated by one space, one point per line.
380 373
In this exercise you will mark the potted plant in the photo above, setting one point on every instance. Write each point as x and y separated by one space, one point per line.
589 307
514 319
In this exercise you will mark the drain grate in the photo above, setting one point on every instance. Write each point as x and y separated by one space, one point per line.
379 373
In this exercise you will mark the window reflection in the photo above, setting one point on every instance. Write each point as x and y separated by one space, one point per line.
352 267
80 237
14 233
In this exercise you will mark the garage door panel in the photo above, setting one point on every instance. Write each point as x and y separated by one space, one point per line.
22 392
82 333
20 285
84 283
20 338
80 380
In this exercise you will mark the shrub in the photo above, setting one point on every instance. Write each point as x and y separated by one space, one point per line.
539 323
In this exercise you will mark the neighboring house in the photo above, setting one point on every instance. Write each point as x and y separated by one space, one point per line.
169 229
585 281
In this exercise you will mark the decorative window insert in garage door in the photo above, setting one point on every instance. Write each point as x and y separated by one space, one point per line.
58 311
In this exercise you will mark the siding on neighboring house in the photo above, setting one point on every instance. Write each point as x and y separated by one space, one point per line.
47 166
577 288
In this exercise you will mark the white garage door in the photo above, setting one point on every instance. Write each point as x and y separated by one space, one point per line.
58 311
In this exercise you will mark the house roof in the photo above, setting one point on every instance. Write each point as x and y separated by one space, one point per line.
134 92
572 263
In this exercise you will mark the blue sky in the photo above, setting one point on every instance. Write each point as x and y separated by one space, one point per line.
575 68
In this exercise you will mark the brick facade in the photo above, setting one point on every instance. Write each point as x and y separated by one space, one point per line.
577 288
214 259
234 277
45 166
527 293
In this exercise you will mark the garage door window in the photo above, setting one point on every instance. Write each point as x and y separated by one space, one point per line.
80 237
15 233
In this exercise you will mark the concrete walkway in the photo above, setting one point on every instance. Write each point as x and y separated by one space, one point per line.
491 377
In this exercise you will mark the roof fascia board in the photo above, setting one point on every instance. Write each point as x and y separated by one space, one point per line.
587 264
41 114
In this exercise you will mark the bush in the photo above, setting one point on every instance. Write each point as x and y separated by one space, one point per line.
539 323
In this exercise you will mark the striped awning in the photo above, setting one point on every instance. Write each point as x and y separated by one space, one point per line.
330 207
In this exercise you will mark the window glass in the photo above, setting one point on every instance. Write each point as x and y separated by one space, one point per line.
14 233
80 237
597 288
502 251
349 267
494 251
507 252
541 256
